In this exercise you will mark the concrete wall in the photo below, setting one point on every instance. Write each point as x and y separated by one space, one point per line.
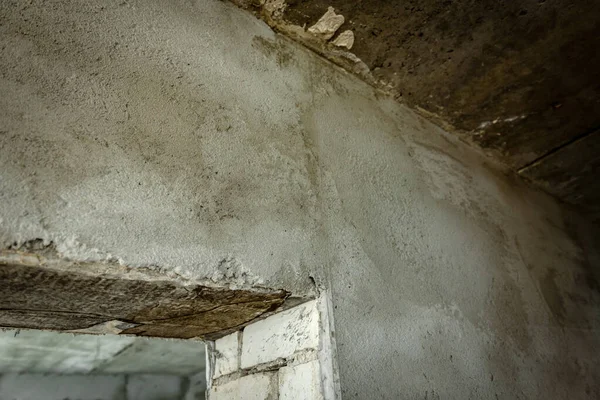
42 365
187 136
32 351
100 387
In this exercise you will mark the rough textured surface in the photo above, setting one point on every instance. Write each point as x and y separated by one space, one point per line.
300 382
227 355
42 293
518 79
189 137
261 386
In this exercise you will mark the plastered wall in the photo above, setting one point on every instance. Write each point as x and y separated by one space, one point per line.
188 137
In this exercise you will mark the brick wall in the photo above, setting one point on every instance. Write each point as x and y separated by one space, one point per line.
285 356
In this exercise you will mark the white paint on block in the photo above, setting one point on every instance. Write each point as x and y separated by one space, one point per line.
300 382
327 356
227 355
281 335
250 387
293 335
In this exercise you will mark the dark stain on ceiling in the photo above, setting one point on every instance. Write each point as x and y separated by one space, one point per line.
519 79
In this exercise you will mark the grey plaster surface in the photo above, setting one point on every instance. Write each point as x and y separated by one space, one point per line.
188 137
60 387
100 387
30 351
155 356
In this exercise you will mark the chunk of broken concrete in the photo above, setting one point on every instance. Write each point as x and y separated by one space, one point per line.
345 39
327 25
274 8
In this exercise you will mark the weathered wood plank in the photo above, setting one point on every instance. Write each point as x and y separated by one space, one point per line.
571 173
41 293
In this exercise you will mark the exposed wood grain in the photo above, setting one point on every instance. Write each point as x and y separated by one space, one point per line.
571 173
73 296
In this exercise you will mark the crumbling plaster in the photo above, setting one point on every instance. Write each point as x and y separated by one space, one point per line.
188 137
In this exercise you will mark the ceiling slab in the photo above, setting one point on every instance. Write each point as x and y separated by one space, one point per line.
518 79
555 173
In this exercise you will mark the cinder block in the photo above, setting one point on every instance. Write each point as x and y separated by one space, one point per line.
281 335
300 382
250 387
227 355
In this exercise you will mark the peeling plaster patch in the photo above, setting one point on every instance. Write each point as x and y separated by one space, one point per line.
233 271
275 7
271 12
72 248
345 39
327 25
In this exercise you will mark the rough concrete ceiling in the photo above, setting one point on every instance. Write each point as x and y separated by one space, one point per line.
520 79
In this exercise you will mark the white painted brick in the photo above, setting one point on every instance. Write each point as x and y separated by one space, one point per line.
249 387
281 335
300 382
227 355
